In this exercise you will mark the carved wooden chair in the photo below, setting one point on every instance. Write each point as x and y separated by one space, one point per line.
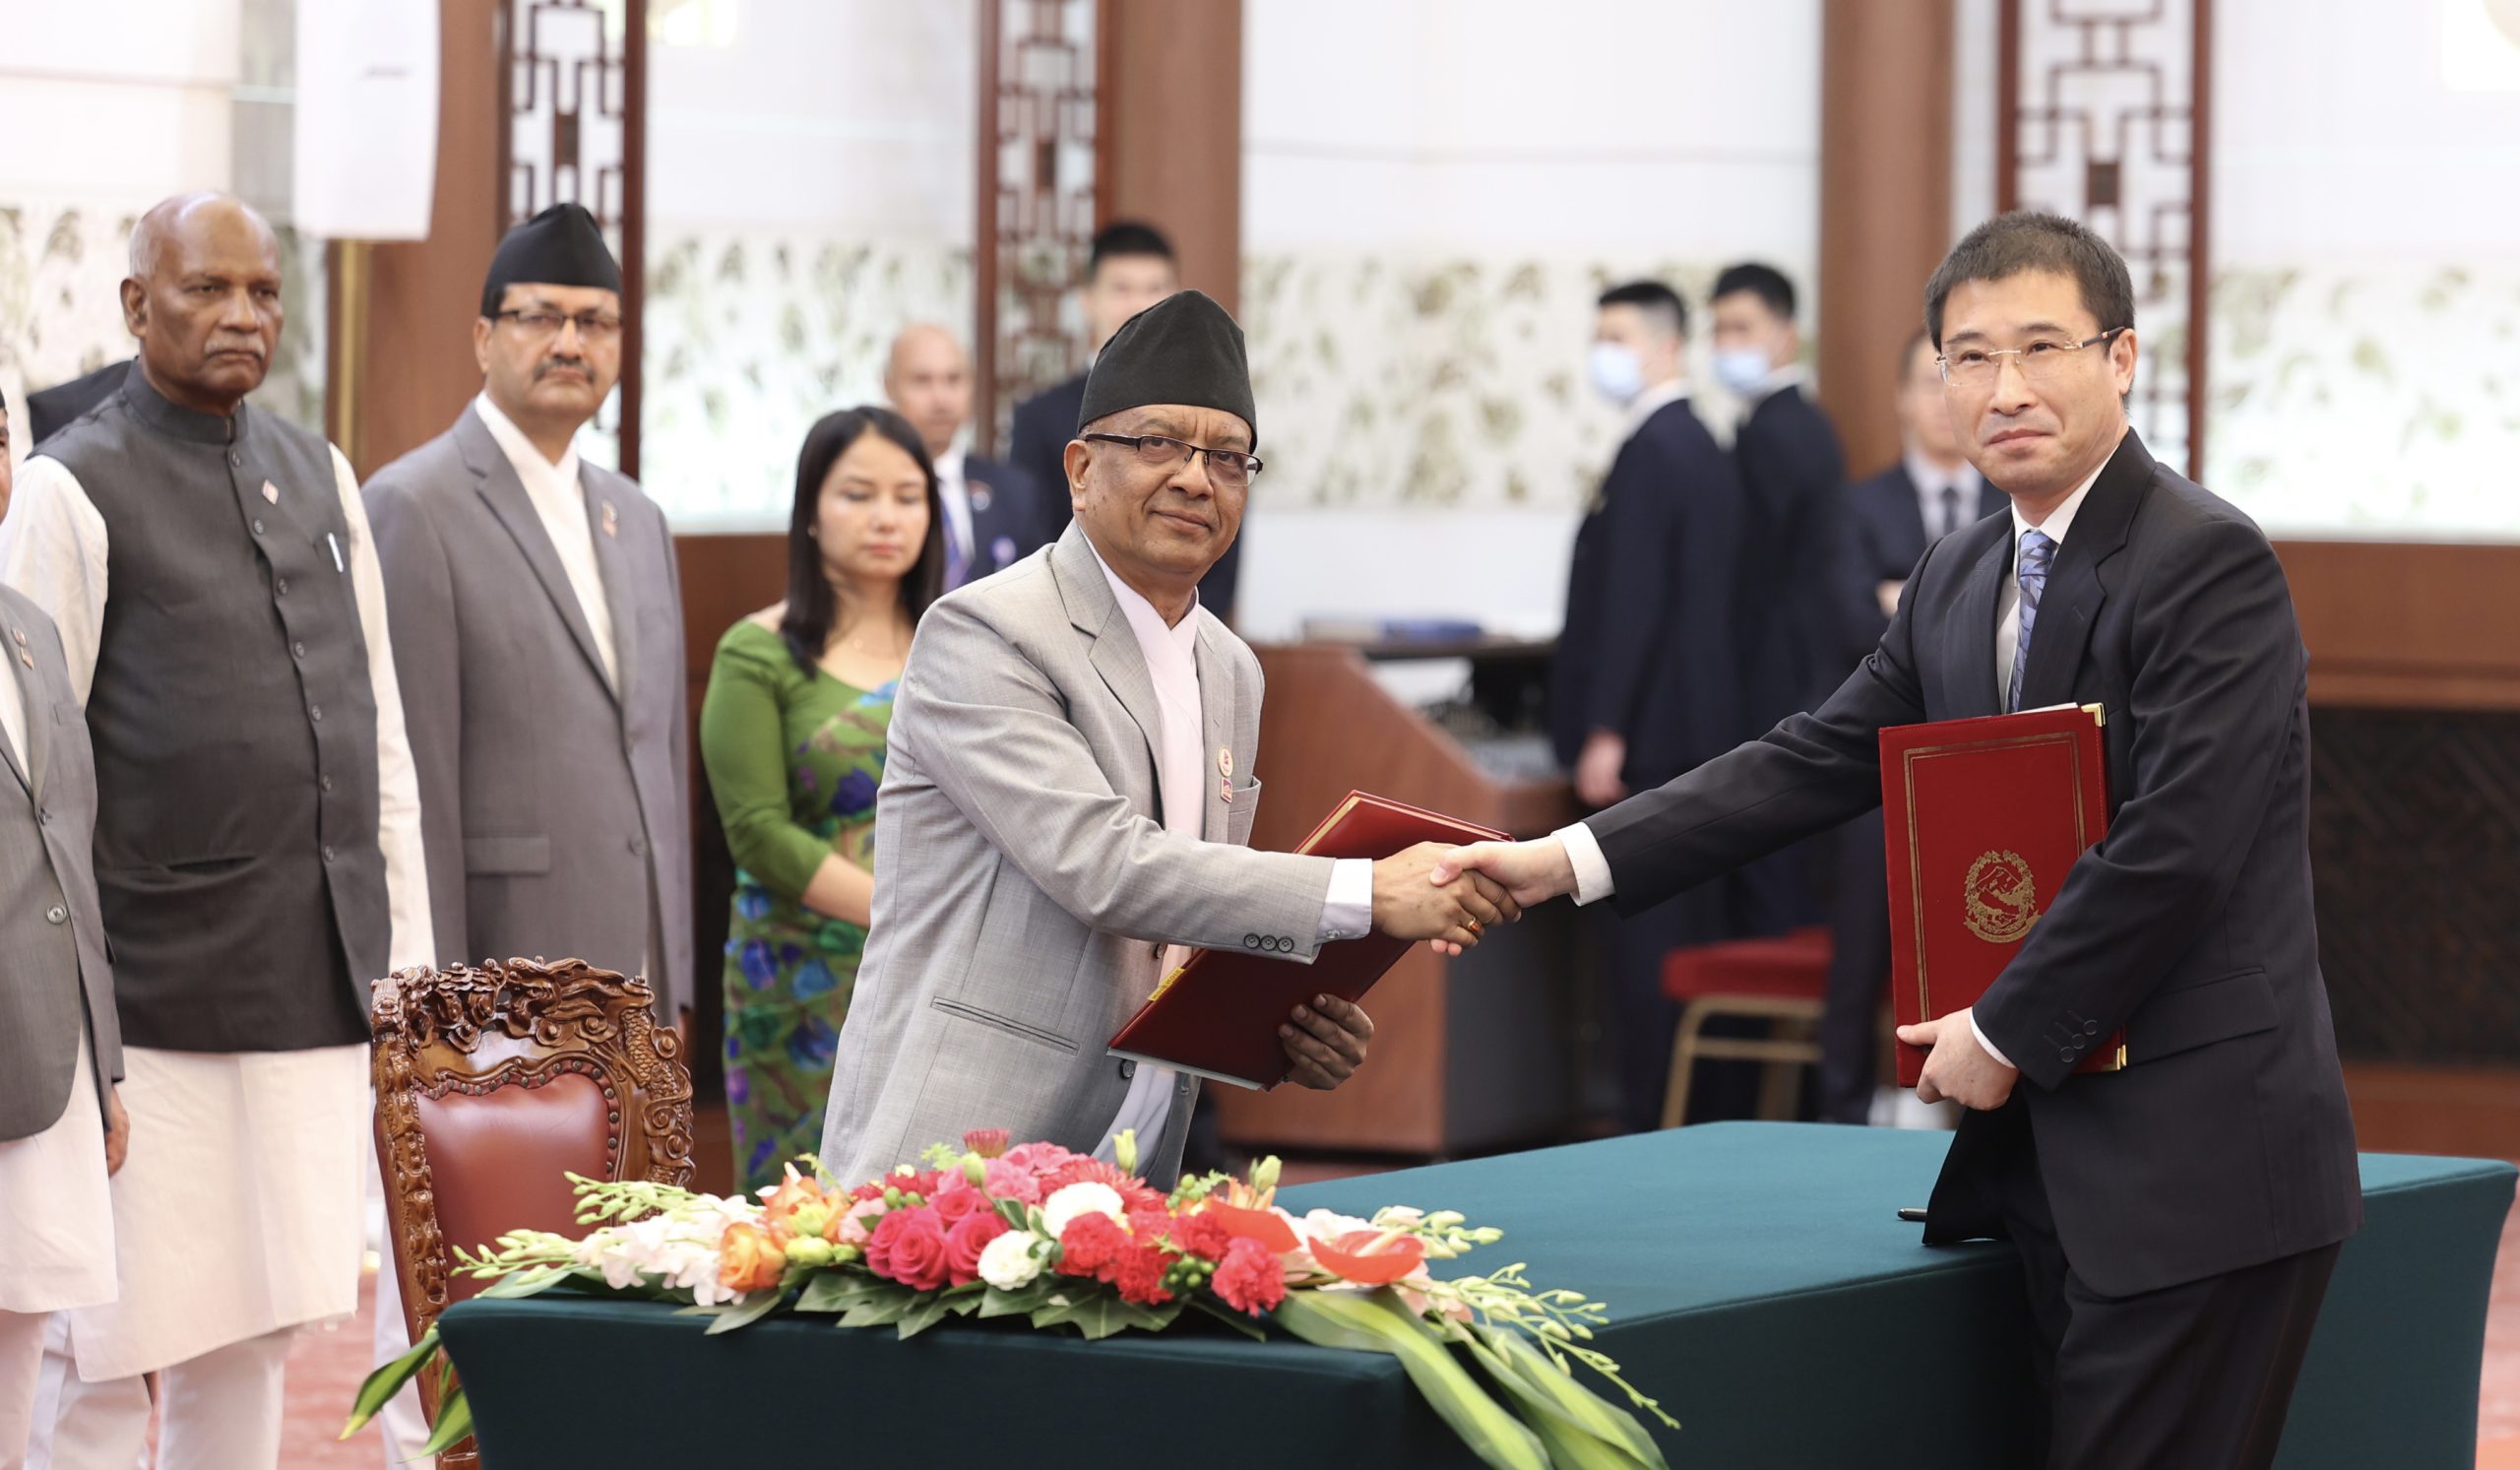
494 1082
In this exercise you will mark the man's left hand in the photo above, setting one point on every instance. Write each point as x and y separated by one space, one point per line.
1325 1041
1958 1067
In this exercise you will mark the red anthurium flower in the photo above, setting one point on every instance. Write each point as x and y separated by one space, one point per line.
1367 1258
1265 1227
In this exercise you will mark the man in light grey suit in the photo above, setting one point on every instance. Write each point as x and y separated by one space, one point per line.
1067 794
62 1126
537 627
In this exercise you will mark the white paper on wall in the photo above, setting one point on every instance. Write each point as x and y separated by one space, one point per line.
366 120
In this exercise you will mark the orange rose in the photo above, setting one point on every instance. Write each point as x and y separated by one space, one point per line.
793 1192
750 1258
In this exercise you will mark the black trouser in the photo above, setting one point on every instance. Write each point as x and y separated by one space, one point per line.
2194 1376
1860 931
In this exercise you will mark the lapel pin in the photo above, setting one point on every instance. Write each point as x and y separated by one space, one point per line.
979 496
271 493
1225 789
26 658
1225 762
20 634
611 520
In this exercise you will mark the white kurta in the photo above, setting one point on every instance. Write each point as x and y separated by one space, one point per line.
56 1222
238 1211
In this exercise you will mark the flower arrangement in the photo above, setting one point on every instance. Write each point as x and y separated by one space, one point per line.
1064 1240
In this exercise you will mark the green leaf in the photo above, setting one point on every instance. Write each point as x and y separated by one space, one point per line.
387 1380
536 1281
1012 1212
1022 1301
1242 1322
1556 1407
454 1423
922 1315
880 1312
1380 1323
762 1305
834 1291
1099 1312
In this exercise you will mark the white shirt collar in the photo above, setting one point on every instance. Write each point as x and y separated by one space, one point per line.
2058 520
1653 400
1932 479
949 465
527 460
1153 636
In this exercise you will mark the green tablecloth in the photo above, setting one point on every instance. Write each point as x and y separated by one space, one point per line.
1763 1287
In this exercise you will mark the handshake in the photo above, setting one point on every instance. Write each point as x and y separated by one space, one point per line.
1451 909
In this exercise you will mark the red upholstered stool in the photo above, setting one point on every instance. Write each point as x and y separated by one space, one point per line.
1784 979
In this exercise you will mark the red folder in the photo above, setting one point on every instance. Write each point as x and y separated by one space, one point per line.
1217 1014
1983 819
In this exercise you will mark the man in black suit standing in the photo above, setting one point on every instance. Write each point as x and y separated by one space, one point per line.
993 510
2176 1220
1129 269
1794 474
1645 685
1888 522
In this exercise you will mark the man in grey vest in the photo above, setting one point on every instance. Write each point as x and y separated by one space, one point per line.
538 632
257 848
62 1127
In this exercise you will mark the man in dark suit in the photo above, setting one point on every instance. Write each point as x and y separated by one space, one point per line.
1129 269
1888 522
993 510
2177 1220
1644 685
1794 474
55 409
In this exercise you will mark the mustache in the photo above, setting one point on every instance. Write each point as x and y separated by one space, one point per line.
554 364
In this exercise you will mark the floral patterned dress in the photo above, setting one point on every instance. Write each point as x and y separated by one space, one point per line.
793 761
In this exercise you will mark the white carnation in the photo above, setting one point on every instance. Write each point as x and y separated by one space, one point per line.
1009 1262
1087 1198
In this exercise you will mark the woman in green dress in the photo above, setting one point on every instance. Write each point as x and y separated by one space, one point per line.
792 734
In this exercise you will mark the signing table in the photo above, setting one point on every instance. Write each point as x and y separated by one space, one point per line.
1761 1283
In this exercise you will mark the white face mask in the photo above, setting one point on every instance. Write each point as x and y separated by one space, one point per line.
1618 375
1742 369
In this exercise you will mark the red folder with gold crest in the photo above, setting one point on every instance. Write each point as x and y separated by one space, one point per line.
1218 1016
1983 819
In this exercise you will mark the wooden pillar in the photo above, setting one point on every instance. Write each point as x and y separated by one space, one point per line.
409 367
1169 147
1885 204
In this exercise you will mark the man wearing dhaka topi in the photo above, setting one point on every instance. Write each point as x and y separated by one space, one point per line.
1067 796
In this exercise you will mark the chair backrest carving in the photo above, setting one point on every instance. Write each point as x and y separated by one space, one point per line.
489 1079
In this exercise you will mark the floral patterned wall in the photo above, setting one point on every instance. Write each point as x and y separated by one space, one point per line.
2368 401
751 337
61 270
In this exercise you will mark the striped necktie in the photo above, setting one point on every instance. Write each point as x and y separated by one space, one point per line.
2036 550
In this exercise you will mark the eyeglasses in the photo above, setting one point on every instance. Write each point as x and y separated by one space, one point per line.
1228 467
542 326
2040 362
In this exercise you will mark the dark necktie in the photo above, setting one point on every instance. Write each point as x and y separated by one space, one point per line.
1950 510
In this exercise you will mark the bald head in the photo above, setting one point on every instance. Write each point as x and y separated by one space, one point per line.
928 378
203 298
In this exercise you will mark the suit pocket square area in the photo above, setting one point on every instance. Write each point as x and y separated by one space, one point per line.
506 854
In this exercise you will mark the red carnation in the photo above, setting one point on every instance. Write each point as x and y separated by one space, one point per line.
909 1246
1090 1244
1135 1196
1202 1236
963 1243
1249 1278
1138 1274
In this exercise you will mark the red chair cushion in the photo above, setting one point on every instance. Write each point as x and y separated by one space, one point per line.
1795 965
497 1161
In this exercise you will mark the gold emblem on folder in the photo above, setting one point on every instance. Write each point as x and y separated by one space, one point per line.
1999 899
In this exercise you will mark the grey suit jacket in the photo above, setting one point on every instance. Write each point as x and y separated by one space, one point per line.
1024 881
52 940
553 806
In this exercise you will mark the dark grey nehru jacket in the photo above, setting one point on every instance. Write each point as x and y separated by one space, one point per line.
52 951
234 730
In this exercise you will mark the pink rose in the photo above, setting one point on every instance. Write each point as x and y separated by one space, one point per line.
1008 1179
851 1228
956 1201
908 1247
963 1243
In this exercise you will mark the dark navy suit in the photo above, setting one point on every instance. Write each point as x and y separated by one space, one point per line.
55 409
1006 515
1649 653
1882 534
1795 475
2176 1220
1044 423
